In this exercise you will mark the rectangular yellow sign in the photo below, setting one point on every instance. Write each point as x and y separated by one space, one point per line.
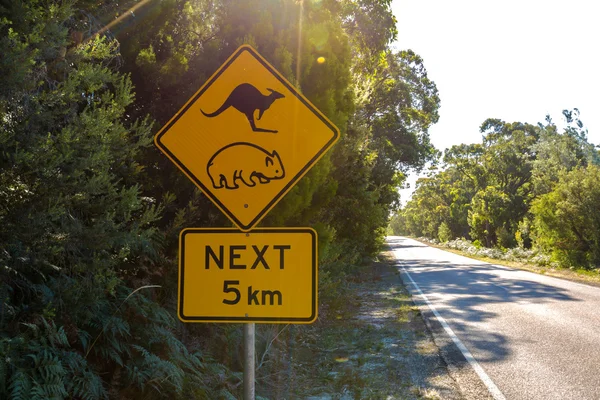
266 275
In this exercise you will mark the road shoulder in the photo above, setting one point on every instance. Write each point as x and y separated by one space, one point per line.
376 347
591 278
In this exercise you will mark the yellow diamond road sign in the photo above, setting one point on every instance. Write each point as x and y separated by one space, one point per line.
246 137
268 275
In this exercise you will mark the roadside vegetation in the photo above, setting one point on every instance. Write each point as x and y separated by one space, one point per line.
90 210
529 260
527 193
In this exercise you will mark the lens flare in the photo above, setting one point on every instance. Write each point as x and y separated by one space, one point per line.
321 60
118 19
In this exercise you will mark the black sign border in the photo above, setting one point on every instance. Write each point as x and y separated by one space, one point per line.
292 182
213 231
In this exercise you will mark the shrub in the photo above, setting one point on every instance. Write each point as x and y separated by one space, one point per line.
505 238
444 233
565 219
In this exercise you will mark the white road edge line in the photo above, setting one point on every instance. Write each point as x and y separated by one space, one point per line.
487 381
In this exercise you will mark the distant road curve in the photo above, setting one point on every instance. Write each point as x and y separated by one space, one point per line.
532 336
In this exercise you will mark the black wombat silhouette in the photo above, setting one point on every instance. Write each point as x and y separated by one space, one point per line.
246 99
245 162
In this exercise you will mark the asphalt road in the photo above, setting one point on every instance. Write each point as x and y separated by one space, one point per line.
533 336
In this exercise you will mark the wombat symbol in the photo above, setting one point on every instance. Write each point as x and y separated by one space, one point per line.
243 162
246 99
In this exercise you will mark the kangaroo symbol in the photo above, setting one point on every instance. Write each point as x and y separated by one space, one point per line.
246 99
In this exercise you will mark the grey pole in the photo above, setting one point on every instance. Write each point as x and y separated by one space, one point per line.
249 339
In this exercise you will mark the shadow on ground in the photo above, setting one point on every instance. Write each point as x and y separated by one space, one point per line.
467 287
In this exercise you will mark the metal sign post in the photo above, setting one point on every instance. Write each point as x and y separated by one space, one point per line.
249 348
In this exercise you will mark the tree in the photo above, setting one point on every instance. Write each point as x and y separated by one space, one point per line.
489 215
496 171
386 137
79 317
567 219
560 152
486 190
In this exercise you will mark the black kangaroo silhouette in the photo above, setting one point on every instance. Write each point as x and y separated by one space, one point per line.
246 99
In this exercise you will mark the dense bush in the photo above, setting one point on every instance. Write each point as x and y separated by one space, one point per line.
80 315
444 233
567 220
90 211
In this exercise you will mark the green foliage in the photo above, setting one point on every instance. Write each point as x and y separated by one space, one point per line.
91 211
485 191
386 137
523 236
444 233
558 153
489 212
428 208
76 231
370 26
398 224
531 256
43 365
566 219
505 239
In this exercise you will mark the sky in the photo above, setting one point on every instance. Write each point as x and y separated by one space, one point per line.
516 60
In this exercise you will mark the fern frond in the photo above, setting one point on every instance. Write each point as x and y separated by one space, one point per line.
19 386
84 338
84 382
225 395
